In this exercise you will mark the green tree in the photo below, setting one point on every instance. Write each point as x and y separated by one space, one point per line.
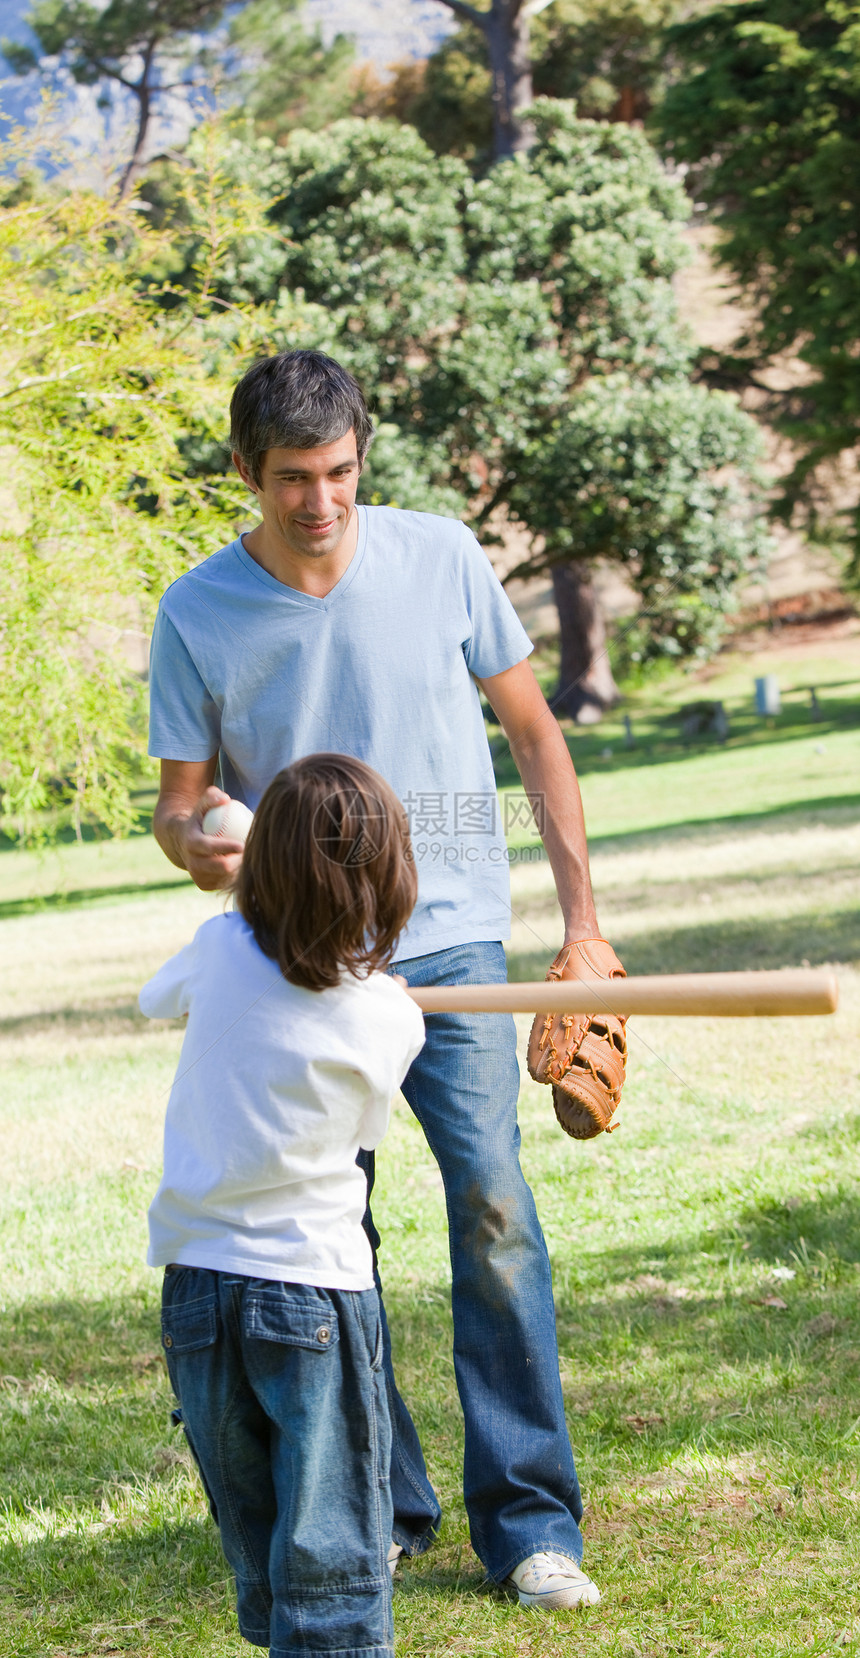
147 48
606 55
520 340
100 389
766 112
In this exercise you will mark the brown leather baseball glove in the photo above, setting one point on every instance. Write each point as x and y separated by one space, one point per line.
583 1057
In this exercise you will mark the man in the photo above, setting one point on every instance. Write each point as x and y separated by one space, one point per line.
368 631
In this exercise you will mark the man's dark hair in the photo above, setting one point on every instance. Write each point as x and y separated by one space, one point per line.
327 880
297 400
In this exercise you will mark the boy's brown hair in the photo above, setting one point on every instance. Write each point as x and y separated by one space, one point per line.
327 880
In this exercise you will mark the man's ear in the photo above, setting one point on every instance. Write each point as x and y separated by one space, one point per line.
243 472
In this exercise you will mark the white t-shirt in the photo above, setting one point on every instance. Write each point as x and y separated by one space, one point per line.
276 1090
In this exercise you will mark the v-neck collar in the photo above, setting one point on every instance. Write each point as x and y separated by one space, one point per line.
292 594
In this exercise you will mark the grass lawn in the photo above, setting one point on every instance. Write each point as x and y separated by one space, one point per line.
706 1257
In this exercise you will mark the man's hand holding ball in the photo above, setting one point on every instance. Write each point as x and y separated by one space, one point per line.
212 839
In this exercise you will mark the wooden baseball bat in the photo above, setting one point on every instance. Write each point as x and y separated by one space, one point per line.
726 995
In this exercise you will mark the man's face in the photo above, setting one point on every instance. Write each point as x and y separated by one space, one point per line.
306 496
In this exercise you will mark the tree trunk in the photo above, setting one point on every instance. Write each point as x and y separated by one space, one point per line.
586 687
143 92
626 108
506 30
507 33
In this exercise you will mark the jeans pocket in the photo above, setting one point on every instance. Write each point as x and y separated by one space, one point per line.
188 1326
295 1319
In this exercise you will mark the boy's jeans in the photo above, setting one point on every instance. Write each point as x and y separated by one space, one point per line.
520 1484
283 1402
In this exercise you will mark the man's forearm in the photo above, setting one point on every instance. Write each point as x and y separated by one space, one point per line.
168 820
549 779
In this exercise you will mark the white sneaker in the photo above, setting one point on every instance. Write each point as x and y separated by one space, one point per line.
553 1581
395 1550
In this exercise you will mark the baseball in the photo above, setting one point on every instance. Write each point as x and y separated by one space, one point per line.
231 821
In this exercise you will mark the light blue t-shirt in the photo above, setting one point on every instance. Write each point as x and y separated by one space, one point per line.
382 668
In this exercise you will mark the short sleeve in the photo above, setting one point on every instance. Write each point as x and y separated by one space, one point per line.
168 994
497 638
405 1035
184 721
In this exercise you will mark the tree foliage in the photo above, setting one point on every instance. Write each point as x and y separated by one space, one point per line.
148 48
767 113
641 463
99 385
520 338
605 55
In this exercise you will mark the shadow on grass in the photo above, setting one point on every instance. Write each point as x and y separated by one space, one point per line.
651 1351
78 1342
660 1367
101 1017
784 1350
425 1578
658 739
91 833
166 1581
162 1581
829 811
84 1400
725 946
11 907
156 1579
792 814
808 1231
806 1228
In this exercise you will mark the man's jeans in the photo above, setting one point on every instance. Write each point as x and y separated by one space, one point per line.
521 1489
283 1402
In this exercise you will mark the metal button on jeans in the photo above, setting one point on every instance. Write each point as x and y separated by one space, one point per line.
323 1334
168 1341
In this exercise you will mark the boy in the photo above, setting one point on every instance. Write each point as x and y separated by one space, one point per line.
296 1041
